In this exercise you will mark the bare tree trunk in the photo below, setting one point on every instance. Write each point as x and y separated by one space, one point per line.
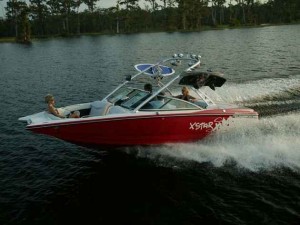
242 5
213 15
221 15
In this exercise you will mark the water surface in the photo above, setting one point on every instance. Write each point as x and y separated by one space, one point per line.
247 176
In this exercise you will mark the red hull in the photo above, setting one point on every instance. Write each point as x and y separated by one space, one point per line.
135 130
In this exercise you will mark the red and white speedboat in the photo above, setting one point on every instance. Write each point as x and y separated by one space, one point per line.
129 115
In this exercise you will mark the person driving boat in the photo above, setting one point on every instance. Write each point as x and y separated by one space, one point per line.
185 95
148 87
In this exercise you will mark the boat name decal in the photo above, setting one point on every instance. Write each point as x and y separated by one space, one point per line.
200 126
209 126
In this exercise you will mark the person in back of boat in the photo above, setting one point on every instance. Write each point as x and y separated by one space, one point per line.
49 99
186 95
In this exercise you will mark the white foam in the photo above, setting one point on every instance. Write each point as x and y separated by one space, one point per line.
271 143
256 89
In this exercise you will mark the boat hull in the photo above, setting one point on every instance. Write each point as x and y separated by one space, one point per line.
136 130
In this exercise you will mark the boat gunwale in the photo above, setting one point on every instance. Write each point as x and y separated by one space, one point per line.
99 119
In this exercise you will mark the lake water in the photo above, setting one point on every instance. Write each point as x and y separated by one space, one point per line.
247 176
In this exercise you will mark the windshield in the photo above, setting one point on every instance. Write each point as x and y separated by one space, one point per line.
128 98
135 98
119 96
168 103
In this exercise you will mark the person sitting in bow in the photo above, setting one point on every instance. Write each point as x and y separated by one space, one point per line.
49 99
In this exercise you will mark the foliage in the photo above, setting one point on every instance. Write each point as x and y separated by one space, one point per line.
17 16
62 17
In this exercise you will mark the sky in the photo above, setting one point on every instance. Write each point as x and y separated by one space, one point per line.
102 3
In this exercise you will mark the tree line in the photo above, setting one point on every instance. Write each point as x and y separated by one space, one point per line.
42 18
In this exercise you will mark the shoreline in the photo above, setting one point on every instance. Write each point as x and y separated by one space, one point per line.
204 28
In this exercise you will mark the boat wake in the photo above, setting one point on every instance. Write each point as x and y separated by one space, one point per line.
268 97
271 143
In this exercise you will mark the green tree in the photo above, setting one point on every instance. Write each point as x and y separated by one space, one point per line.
25 32
62 9
168 13
77 5
191 13
90 4
241 5
217 8
39 11
285 11
17 13
128 14
154 5
220 5
129 4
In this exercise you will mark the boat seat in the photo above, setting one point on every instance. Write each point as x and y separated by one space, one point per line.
99 108
117 110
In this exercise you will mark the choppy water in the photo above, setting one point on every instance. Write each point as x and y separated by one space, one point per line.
250 175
